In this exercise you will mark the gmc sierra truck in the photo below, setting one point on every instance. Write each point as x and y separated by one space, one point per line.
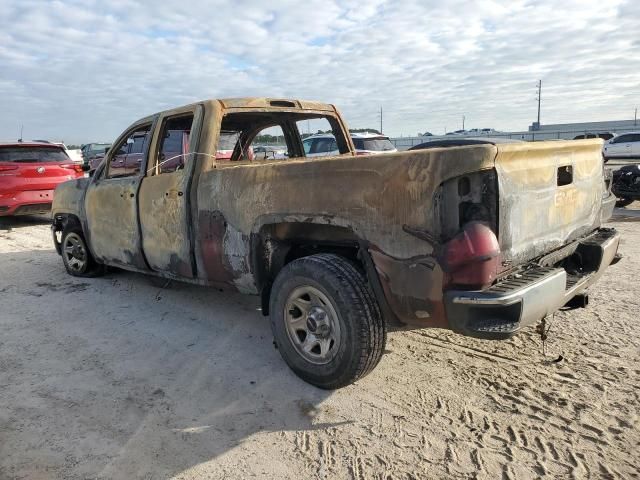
482 239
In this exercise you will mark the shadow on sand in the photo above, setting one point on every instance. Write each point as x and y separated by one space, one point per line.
115 377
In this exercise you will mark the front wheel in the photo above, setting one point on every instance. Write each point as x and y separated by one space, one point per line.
326 323
76 256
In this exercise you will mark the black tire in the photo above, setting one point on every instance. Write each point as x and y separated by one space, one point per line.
85 267
362 329
623 202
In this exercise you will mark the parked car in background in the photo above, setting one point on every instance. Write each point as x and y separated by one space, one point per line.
625 145
372 144
263 152
461 142
74 154
92 150
323 145
604 136
625 184
29 172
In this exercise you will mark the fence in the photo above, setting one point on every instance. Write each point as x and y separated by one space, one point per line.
404 143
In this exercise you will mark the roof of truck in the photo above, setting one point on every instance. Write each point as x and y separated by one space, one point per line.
266 102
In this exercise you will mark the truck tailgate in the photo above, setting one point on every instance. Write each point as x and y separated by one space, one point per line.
549 194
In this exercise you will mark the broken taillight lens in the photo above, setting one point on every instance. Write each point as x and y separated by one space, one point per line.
472 257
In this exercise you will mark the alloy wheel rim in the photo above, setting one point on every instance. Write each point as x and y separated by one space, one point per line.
75 252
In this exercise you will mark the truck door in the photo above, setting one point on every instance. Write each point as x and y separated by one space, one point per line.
111 205
164 209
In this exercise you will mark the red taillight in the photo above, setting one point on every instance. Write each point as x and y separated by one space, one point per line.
471 258
73 166
6 168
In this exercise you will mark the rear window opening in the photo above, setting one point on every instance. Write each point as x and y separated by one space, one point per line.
33 154
565 175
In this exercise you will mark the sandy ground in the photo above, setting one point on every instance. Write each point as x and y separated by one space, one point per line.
116 377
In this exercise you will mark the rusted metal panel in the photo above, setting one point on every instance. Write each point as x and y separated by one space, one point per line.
112 221
165 236
536 214
68 197
372 196
274 103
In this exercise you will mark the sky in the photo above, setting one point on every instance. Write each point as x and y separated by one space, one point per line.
82 71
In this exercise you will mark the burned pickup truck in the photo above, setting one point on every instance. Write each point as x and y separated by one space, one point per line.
483 239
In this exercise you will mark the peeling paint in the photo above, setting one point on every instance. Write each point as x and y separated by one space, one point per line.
201 223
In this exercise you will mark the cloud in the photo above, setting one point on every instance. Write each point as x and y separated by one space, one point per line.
83 70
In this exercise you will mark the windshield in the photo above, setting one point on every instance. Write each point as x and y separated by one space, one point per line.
33 154
98 148
373 144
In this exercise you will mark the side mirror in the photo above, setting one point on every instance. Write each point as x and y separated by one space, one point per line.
106 150
86 167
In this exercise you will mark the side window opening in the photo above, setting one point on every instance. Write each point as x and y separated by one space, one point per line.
318 139
260 136
269 144
173 151
127 154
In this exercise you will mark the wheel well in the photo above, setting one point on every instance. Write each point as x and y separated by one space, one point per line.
61 222
65 220
278 244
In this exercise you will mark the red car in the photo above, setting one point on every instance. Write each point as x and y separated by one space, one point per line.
29 172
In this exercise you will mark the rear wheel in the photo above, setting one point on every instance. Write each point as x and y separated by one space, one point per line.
326 323
623 202
76 256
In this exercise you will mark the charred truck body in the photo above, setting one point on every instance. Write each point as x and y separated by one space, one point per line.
483 240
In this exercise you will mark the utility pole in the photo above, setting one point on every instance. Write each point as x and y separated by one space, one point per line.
539 99
381 119
21 129
463 122
635 117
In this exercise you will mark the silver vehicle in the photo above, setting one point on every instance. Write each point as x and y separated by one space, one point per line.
625 145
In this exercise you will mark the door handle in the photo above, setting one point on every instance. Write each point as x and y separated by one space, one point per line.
173 194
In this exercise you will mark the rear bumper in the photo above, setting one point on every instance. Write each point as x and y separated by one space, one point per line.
505 308
32 202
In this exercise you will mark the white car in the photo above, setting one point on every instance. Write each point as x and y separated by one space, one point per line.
625 145
324 145
372 144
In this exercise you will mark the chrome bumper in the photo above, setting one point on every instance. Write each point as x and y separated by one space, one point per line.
505 308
